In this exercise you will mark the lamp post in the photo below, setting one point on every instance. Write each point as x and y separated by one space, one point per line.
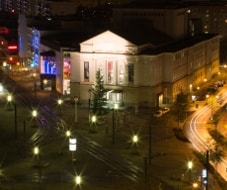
78 180
35 85
68 133
15 119
150 143
76 102
225 68
114 123
135 140
195 185
60 102
190 90
72 147
37 155
93 123
9 101
34 115
190 165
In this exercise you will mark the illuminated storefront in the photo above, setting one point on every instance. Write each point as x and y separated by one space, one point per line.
66 72
48 70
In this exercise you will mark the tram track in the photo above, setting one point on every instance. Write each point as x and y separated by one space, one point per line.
47 118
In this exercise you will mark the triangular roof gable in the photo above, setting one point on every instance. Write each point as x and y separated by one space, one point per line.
108 42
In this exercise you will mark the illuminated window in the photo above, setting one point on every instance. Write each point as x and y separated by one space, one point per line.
110 72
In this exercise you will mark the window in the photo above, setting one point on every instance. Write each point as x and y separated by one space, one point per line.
86 71
130 73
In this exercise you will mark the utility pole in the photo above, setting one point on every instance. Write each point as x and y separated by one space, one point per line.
207 168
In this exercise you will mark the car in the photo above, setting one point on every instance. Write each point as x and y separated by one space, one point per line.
165 110
157 113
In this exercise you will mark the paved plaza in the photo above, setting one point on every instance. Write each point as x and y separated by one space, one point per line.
169 155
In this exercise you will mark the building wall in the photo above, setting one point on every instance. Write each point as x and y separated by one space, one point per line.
213 18
172 22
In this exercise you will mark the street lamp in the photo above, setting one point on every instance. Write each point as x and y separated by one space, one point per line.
190 165
9 101
60 102
34 116
78 180
115 108
195 185
36 151
35 85
225 67
190 89
34 113
93 123
68 133
135 140
76 101
37 155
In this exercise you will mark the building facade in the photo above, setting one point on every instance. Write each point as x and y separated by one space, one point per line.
135 78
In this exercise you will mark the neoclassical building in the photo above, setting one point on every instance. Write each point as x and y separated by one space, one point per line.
137 74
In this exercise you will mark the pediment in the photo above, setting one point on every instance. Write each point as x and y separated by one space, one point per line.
108 42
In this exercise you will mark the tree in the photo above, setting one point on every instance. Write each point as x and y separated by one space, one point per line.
216 154
98 101
180 106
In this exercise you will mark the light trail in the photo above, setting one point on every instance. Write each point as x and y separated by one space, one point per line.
197 133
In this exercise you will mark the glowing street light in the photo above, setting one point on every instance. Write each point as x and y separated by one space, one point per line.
135 139
34 113
195 185
60 102
190 165
78 180
36 151
9 98
68 133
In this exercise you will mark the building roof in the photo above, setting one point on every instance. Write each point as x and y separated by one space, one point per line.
67 39
156 41
142 33
180 44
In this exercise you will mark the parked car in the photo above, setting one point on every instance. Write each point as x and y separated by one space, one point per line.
165 110
157 113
